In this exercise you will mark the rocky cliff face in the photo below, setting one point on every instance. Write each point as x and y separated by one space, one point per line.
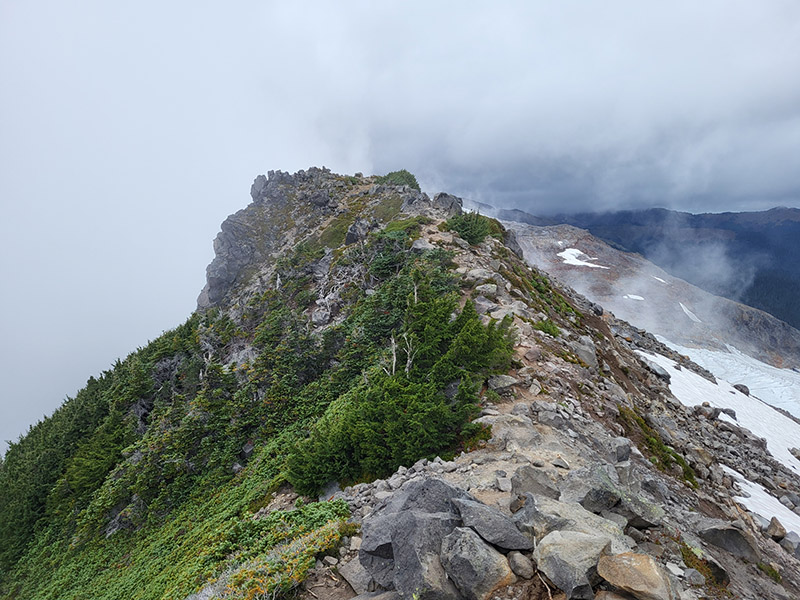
593 482
314 206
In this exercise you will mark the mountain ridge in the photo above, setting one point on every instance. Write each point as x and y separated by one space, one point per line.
364 333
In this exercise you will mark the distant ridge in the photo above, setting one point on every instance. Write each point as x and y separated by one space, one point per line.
750 257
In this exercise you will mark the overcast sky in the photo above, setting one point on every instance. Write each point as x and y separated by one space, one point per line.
130 130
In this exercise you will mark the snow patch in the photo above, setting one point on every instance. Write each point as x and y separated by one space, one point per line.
777 387
658 279
780 431
762 503
690 314
632 297
573 256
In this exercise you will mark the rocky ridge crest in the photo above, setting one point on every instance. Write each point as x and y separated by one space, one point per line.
566 494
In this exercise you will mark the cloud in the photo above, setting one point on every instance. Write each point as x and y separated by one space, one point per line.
129 131
591 106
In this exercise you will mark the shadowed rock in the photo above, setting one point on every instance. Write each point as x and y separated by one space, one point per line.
476 568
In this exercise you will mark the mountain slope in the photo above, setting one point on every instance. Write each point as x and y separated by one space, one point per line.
749 257
638 291
355 331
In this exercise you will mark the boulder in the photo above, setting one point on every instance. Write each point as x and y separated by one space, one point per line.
320 316
512 432
620 449
401 540
447 203
476 568
598 488
492 525
731 539
487 289
694 577
483 305
478 275
530 480
592 488
637 574
569 559
776 530
541 515
502 383
791 543
357 231
656 369
521 565
585 350
421 245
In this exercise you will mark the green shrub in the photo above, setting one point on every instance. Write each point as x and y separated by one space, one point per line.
401 177
471 226
401 414
548 327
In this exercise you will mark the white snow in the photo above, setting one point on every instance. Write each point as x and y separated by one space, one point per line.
690 314
762 503
572 256
658 279
632 297
777 387
780 431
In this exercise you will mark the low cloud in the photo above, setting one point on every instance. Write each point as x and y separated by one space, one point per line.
555 107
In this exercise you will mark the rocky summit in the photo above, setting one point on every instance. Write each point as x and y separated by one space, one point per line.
379 398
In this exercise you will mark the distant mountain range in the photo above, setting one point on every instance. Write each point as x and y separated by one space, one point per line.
750 257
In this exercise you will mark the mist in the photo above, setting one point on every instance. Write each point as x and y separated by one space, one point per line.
128 132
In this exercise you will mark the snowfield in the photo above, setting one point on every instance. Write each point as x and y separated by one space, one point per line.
777 387
572 256
780 431
759 501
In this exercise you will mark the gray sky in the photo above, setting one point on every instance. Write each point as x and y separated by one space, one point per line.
130 130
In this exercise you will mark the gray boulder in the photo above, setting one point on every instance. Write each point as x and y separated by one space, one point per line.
598 488
541 515
492 525
592 488
512 432
521 565
656 369
585 350
569 559
422 245
476 568
483 305
487 289
530 480
357 231
401 540
447 203
357 576
620 449
731 539
791 543
502 383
